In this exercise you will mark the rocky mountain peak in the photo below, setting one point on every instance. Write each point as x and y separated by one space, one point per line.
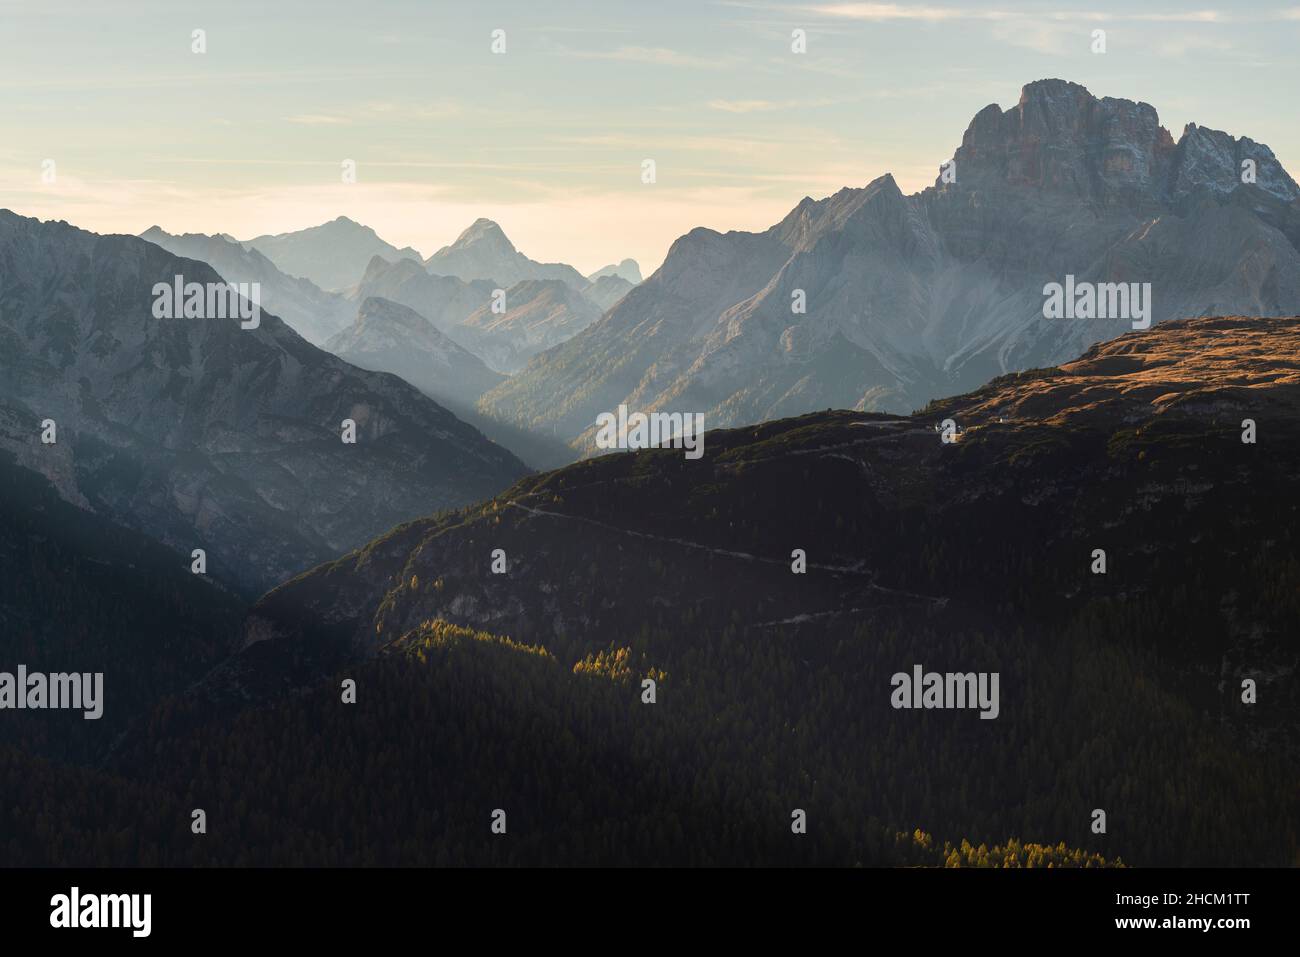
483 252
1061 138
628 270
379 266
484 232
1212 160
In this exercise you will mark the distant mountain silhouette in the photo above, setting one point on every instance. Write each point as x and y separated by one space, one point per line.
313 313
606 291
333 255
627 270
389 337
482 251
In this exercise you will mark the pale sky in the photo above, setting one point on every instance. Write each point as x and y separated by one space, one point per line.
548 138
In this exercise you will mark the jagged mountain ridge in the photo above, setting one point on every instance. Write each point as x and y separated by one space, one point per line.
909 298
606 291
333 255
629 270
538 313
314 314
443 300
541 312
482 251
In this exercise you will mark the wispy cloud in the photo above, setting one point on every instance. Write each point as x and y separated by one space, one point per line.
386 110
880 12
1183 44
896 11
316 119
765 106
883 12
1041 36
659 56
707 144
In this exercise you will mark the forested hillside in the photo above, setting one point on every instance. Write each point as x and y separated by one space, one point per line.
449 726
80 594
1121 691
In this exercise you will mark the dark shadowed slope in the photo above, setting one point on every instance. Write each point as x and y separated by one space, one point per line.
80 594
1120 690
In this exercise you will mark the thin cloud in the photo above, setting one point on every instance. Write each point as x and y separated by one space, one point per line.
895 11
317 119
1179 46
657 56
764 106
885 12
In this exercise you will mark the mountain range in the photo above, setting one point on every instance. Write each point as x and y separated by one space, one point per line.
650 658
333 255
873 300
203 434
310 311
542 310
504 331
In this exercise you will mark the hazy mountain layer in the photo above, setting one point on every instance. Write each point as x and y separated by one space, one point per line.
873 300
531 316
627 270
536 315
333 255
205 435
607 290
483 252
312 313
389 337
